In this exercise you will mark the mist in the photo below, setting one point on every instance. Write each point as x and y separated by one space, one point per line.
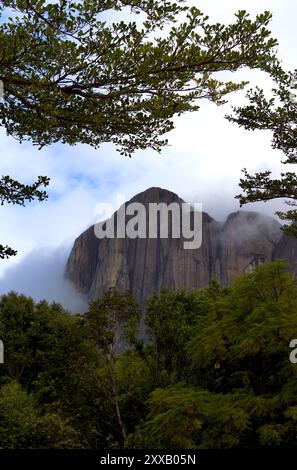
40 275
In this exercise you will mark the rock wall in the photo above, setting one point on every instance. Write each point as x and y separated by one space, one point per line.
143 265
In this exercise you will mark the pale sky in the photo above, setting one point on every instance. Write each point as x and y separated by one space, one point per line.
202 163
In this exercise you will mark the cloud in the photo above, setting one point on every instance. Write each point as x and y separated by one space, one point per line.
40 275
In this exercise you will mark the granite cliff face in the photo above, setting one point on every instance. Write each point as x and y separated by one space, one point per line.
286 248
144 264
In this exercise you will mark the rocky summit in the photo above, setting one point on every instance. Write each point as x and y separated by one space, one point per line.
143 265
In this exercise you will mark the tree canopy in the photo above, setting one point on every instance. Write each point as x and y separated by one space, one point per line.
277 114
215 370
72 73
115 71
14 192
238 387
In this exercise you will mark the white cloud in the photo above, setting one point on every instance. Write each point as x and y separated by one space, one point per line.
41 276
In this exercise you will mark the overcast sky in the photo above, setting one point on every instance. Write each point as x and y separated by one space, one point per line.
202 164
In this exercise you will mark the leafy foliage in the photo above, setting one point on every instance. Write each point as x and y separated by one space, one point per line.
215 373
279 115
14 192
71 75
112 323
22 426
240 387
170 318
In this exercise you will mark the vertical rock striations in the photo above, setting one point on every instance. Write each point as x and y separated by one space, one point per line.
145 264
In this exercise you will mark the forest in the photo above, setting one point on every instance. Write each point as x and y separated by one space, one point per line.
213 369
207 368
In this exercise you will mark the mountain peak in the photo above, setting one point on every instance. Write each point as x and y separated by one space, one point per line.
156 194
143 265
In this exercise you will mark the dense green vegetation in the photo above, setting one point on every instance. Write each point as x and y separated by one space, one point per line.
215 374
